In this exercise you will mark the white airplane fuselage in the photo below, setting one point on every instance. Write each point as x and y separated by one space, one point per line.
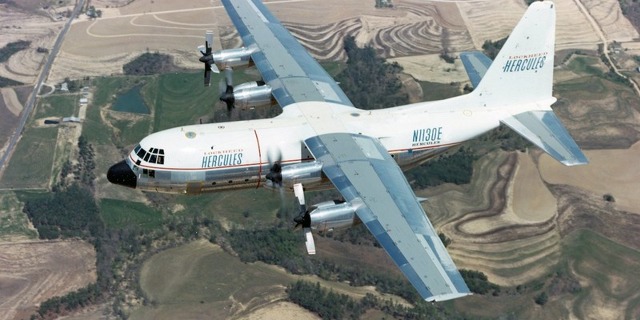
231 155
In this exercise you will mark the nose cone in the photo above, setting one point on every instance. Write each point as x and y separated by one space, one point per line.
121 174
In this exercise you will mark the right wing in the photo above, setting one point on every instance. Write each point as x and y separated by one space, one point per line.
368 177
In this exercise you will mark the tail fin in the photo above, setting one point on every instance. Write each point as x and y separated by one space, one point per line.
523 70
520 79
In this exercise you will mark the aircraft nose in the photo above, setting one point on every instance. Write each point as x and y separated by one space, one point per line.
121 174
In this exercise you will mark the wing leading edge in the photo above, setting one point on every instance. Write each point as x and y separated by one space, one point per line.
283 63
367 176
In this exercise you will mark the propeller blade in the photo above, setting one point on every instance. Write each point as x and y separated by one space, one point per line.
209 38
207 77
214 68
309 242
298 190
228 77
227 96
202 49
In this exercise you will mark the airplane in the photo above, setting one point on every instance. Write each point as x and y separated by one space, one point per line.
320 140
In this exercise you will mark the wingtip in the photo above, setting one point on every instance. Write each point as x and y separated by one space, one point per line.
447 296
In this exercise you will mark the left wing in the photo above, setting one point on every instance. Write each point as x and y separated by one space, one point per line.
284 64
476 64
366 176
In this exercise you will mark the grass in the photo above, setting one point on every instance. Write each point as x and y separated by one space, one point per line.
180 99
94 128
437 91
118 214
585 65
58 106
591 253
584 88
260 206
199 279
31 163
131 132
13 222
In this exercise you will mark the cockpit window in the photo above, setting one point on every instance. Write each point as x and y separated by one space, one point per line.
154 155
141 153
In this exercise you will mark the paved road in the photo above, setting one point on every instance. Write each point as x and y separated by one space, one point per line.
13 140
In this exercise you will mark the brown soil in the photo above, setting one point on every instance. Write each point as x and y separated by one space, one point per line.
34 271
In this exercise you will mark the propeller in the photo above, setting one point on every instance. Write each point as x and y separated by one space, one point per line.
226 89
304 219
207 58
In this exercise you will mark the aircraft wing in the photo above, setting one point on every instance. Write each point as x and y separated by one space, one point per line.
366 176
284 64
476 64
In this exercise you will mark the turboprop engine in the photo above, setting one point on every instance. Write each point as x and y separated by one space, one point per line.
286 176
329 215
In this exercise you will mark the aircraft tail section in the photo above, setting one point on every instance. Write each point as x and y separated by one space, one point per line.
520 81
523 70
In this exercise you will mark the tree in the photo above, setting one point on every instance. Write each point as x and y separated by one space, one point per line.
542 298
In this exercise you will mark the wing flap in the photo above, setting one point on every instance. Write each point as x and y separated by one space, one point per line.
367 177
544 129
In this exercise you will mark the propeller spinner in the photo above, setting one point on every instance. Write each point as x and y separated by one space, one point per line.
275 170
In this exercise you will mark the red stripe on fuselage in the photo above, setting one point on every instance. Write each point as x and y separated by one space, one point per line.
260 164
259 157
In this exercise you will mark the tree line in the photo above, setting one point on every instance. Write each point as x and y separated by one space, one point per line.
368 80
150 63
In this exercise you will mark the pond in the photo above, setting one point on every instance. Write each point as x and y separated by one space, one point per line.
131 101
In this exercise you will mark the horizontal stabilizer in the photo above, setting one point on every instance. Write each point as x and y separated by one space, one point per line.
476 64
544 129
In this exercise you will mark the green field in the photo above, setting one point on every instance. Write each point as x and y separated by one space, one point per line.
432 91
13 222
58 106
118 214
200 280
31 163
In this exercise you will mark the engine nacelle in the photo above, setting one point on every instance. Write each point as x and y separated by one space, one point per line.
252 94
239 57
307 173
332 215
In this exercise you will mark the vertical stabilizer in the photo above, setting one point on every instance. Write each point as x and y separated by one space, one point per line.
523 70
520 80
